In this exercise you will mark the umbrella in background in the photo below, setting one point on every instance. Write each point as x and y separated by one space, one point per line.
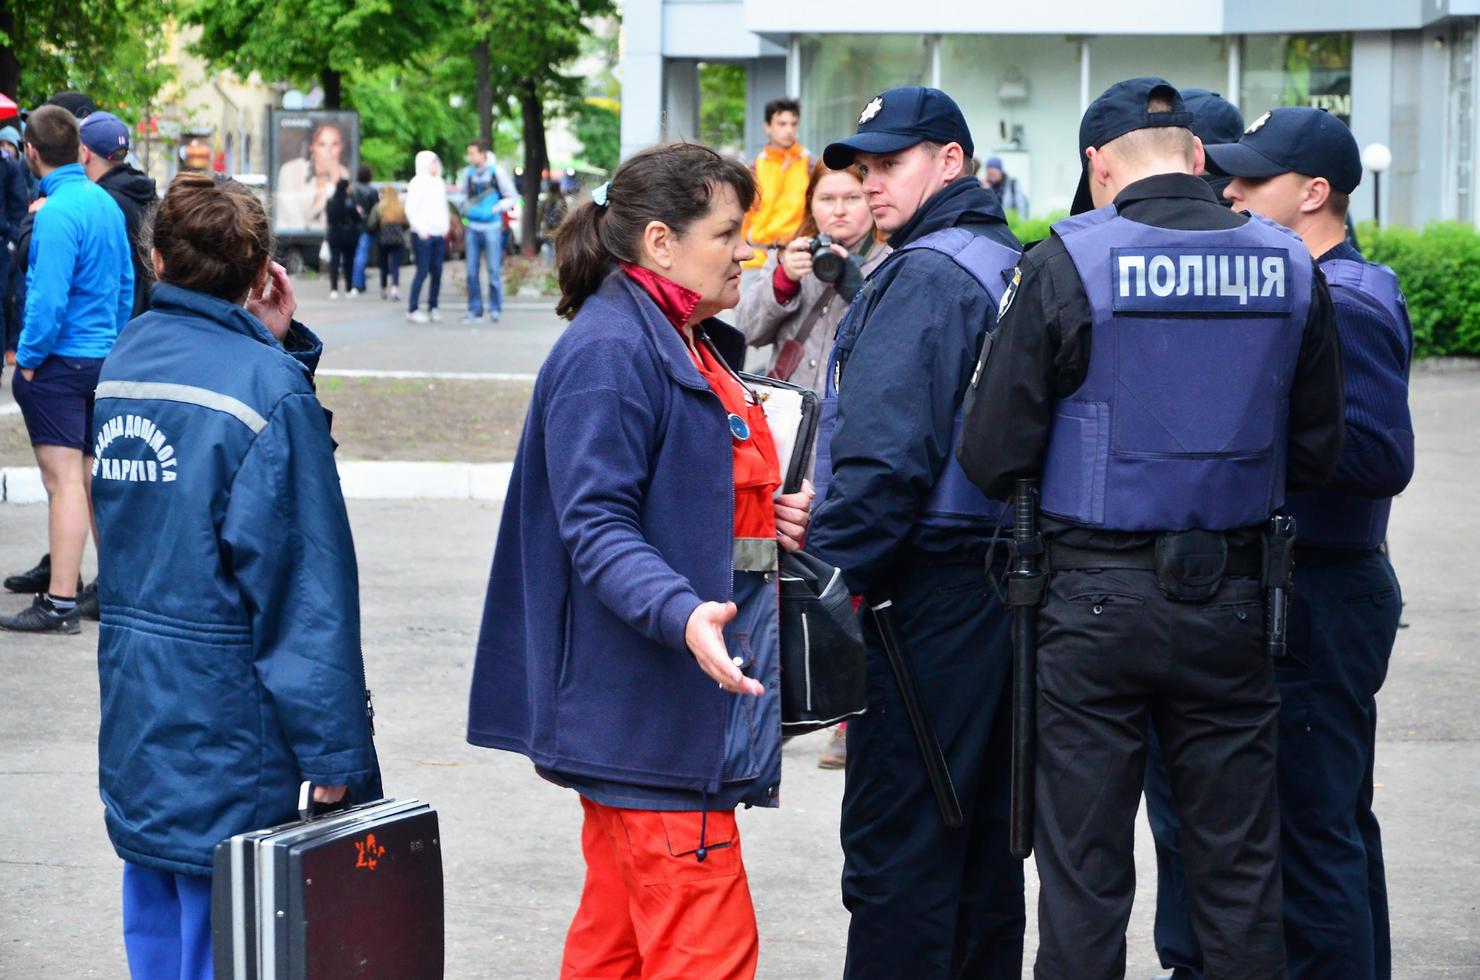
8 108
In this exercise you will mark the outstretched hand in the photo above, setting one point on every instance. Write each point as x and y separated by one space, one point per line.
705 636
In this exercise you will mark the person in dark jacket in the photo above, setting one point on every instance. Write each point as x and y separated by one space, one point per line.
630 643
897 516
105 146
365 198
229 652
14 203
1299 168
345 225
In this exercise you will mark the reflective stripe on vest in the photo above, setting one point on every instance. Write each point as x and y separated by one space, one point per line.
1330 518
954 501
1181 421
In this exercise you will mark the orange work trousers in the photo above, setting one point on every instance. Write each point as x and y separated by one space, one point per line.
650 909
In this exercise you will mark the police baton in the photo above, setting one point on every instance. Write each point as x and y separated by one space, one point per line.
1026 585
1279 566
914 708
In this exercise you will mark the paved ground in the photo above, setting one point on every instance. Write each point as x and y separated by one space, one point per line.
513 869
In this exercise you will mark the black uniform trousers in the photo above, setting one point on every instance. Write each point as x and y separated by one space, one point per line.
1114 657
1343 621
928 902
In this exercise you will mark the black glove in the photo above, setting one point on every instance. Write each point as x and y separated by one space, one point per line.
852 279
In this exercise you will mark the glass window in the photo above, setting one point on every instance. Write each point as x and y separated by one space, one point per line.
1186 62
1020 95
1297 70
841 72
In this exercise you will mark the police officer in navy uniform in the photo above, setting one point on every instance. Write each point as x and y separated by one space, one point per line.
1299 166
895 512
1167 368
1214 120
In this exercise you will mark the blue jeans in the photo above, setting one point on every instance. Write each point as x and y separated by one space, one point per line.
166 924
430 254
486 242
362 259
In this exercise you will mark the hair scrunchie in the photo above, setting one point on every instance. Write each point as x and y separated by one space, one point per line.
598 196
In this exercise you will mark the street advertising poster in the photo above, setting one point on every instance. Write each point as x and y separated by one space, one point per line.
311 150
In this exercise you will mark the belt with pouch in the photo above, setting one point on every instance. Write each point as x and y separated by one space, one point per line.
1189 565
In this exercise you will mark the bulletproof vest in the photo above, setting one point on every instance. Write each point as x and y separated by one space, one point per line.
1181 421
954 501
1330 518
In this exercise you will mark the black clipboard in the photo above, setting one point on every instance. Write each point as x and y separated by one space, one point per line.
792 412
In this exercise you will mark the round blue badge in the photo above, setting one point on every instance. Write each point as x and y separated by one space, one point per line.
738 428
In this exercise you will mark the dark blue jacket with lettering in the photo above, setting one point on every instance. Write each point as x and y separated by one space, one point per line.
229 650
902 362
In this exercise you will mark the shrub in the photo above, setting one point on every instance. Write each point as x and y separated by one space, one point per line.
1032 229
1438 268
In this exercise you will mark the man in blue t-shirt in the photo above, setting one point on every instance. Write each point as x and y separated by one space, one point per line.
79 292
489 194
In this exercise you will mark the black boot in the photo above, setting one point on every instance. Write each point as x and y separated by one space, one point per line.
37 579
87 602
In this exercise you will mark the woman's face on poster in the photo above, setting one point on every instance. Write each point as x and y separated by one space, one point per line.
328 145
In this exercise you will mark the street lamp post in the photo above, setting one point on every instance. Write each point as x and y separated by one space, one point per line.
1377 158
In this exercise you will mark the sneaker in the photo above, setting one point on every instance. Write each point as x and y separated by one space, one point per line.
417 316
40 617
87 602
495 317
333 294
472 318
835 756
35 580
357 292
395 294
435 314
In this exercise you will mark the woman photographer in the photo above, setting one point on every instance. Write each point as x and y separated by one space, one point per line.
630 640
789 306
229 650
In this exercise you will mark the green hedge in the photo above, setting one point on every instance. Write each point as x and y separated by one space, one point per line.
1032 229
1439 270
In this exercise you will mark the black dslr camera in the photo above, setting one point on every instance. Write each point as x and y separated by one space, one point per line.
827 265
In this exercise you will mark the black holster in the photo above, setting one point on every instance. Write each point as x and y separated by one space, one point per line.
1279 569
1190 564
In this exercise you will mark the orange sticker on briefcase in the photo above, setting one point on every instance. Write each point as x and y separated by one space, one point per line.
369 851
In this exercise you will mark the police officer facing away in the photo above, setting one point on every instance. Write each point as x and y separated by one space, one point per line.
899 517
1297 166
1167 368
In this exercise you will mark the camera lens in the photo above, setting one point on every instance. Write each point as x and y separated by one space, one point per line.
827 265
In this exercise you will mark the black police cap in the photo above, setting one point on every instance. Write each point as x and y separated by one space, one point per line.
898 119
1294 140
1123 108
1214 118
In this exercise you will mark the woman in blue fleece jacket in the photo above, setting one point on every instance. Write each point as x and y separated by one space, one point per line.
630 639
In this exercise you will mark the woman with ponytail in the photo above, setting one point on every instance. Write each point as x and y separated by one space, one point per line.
630 641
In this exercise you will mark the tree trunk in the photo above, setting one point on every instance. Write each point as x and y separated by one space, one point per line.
329 81
10 66
536 159
481 62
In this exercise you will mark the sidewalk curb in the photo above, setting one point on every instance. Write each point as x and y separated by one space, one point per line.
358 479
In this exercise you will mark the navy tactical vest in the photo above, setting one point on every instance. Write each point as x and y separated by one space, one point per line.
1330 518
1181 421
955 501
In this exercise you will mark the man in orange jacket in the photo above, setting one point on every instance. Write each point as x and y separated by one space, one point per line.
781 170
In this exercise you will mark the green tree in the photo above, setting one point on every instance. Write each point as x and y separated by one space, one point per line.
722 106
406 109
317 40
109 49
598 125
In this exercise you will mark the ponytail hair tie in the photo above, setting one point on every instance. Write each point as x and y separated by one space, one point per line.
598 196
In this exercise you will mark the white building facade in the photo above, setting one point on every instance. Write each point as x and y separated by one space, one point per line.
1400 72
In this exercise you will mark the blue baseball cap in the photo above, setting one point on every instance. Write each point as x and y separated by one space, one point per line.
104 134
1297 140
1124 108
1214 118
898 119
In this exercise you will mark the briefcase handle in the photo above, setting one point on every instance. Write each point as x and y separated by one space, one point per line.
308 809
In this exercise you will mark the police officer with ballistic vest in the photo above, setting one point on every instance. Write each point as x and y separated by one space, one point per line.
1298 166
927 873
1166 368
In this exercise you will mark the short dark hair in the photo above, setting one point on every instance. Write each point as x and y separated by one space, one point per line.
675 183
364 175
783 105
52 130
482 145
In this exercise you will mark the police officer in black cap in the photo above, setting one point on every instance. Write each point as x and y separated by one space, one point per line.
1298 166
911 533
1167 368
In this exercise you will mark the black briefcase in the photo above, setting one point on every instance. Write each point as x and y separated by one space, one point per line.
352 894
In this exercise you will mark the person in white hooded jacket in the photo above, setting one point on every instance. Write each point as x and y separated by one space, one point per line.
426 213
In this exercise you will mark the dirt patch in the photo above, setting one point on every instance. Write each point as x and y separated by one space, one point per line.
380 418
426 419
